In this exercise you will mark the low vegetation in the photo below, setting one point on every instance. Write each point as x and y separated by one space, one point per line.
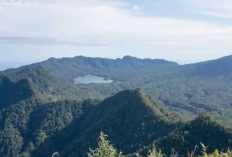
106 149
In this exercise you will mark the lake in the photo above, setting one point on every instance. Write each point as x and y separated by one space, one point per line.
92 79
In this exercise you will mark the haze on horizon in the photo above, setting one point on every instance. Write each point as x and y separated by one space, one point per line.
181 31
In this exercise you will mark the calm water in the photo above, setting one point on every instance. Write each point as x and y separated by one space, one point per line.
92 79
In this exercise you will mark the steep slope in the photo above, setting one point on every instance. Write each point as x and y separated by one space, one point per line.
24 126
26 117
130 118
45 83
13 92
34 128
202 129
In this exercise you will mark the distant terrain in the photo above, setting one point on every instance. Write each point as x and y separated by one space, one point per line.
43 110
185 89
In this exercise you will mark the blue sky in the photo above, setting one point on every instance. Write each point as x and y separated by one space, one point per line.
185 31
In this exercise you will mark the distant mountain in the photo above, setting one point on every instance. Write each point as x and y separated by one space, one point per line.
13 92
221 66
67 69
185 89
52 88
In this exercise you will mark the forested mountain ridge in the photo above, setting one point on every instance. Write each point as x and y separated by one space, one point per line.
37 120
80 66
55 89
185 89
34 127
38 128
204 130
26 125
66 69
47 84
130 118
13 92
212 68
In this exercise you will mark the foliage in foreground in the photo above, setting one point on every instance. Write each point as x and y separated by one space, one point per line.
105 149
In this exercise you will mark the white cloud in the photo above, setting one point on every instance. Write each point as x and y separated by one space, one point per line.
106 22
45 41
164 43
115 24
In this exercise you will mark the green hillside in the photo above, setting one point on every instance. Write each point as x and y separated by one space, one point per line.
185 89
130 118
13 92
26 125
42 111
34 128
203 129
45 83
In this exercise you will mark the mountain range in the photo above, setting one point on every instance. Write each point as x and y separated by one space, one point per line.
43 111
186 89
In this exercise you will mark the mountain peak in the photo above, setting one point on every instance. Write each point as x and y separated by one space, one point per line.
205 116
130 115
131 92
127 57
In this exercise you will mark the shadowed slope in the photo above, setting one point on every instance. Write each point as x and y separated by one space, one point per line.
130 118
202 129
13 92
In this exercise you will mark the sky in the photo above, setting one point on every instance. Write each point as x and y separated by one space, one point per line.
184 31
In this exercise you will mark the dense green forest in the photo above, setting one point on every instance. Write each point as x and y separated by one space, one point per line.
186 89
13 92
105 148
202 129
150 102
34 128
132 119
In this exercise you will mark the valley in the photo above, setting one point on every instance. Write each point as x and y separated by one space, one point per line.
185 89
62 105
